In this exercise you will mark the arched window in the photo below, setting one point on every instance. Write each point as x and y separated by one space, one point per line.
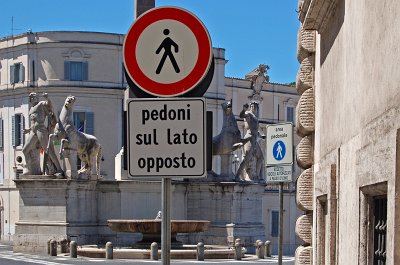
76 65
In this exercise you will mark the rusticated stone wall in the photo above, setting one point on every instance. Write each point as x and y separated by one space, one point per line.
314 16
305 126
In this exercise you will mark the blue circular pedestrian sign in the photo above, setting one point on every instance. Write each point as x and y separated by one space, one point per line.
279 150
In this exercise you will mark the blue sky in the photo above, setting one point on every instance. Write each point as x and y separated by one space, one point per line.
251 31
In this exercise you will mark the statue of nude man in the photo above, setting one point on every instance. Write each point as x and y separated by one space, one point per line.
249 142
39 112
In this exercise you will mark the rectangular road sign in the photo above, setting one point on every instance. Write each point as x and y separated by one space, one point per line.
282 173
167 137
279 144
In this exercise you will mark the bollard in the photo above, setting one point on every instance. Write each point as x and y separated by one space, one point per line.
109 250
260 249
53 248
268 248
238 249
48 246
154 251
200 251
64 246
73 249
239 241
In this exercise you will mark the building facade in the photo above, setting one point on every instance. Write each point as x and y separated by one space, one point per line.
348 52
89 66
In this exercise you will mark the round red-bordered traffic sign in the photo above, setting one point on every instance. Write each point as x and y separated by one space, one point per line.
168 52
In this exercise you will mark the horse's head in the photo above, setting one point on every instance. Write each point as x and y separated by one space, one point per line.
69 102
227 107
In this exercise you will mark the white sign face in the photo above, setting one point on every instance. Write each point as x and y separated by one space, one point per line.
279 144
167 52
281 173
167 64
167 138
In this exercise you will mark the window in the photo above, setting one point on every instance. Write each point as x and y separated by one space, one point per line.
380 224
84 122
373 223
290 114
17 73
322 230
1 134
18 126
75 71
274 223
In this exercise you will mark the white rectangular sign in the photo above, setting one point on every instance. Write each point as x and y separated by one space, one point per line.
167 137
282 173
279 144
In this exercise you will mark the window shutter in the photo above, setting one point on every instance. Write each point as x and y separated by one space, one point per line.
21 73
21 131
290 114
12 70
274 223
89 123
1 133
66 70
13 130
85 71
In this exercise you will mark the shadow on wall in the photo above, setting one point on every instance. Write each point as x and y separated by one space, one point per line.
334 25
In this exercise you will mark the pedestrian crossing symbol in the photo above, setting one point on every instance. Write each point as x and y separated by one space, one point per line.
168 53
279 145
279 150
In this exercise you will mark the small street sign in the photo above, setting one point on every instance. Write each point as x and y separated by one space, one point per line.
168 52
282 173
167 137
279 144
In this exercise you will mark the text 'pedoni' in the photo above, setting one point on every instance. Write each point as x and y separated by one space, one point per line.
164 114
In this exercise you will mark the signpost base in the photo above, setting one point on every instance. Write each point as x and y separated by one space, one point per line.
166 221
280 223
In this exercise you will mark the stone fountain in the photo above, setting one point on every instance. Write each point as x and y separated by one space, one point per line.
151 229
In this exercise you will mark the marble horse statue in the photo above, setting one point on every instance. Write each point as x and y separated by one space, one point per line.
86 145
230 133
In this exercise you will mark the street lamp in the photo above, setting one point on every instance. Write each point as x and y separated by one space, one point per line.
235 161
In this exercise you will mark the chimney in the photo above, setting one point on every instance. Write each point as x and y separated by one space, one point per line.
142 6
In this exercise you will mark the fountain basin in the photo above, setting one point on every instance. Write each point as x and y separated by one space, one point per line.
151 229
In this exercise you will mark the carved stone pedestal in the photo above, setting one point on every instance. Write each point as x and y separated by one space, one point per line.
59 209
234 209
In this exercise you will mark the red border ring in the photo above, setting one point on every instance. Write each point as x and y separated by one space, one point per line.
193 78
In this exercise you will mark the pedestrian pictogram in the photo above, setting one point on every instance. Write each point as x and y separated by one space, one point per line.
279 150
167 45
279 147
168 52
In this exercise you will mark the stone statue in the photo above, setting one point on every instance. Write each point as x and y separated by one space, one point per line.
86 145
253 158
258 77
42 122
230 133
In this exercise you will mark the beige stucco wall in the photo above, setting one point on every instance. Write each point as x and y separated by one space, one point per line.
359 77
357 114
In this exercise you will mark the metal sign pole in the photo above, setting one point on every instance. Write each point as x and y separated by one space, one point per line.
280 243
166 222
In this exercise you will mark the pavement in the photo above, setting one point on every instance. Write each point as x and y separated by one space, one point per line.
8 257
